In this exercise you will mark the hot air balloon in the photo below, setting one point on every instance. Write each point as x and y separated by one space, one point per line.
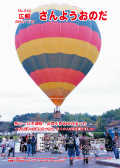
57 55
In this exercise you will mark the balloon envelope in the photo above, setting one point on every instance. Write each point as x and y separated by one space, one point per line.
57 55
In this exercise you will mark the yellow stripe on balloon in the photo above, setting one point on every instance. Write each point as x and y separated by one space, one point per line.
54 85
56 45
87 50
57 92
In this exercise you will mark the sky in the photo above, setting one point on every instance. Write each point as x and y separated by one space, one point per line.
97 93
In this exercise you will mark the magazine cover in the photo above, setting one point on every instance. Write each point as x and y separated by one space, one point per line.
60 84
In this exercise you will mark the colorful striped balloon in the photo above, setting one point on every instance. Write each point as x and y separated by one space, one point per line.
57 55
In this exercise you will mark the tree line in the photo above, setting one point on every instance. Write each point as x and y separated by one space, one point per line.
101 121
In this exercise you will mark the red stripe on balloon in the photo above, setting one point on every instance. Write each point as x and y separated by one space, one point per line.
57 75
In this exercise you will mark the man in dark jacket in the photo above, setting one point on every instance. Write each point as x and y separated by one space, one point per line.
33 143
71 146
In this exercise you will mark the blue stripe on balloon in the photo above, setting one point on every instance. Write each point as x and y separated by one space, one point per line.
36 17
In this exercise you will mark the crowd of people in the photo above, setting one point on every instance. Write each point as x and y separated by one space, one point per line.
73 144
28 143
11 147
112 145
56 111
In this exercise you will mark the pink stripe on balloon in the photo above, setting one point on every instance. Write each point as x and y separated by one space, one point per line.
51 29
78 78
53 73
23 36
75 76
57 75
17 41
35 31
69 30
85 34
63 74
40 76
95 38
99 45
56 29
96 41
